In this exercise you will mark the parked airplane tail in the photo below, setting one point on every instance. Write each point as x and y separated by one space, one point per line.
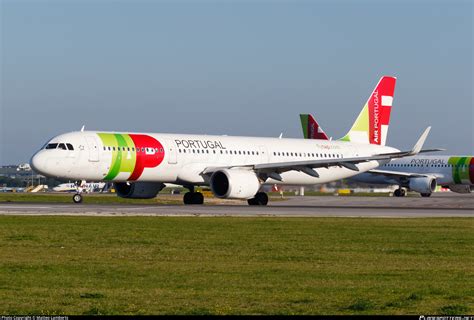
371 126
311 129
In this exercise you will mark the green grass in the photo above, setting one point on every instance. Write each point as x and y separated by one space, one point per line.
166 265
97 198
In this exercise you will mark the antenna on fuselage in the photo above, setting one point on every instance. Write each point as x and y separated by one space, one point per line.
82 129
281 135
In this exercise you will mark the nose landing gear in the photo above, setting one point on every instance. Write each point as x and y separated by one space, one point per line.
77 197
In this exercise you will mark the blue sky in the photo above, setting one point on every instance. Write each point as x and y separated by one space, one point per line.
232 67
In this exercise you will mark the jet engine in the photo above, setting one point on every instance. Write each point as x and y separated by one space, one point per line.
460 188
424 185
236 184
138 190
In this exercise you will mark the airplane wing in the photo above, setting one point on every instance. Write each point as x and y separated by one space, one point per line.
274 169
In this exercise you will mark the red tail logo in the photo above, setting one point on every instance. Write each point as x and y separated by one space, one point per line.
314 130
380 106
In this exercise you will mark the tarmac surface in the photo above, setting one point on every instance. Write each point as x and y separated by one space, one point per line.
438 205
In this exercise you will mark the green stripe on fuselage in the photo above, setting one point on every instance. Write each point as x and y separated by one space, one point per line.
127 157
460 169
122 161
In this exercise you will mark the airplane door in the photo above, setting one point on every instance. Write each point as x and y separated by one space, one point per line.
93 148
171 150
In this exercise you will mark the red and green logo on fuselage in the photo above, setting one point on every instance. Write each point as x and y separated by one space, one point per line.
463 169
131 154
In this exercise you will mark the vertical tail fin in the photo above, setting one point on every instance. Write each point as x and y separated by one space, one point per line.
371 126
311 129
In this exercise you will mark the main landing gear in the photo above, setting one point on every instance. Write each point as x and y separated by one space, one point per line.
192 197
260 199
400 192
425 195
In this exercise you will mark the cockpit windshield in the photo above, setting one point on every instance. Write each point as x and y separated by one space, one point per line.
61 146
51 146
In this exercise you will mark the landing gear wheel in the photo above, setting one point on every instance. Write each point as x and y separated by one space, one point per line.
260 199
198 198
399 192
77 198
425 195
193 198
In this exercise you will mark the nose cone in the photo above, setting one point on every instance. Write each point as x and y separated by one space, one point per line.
38 162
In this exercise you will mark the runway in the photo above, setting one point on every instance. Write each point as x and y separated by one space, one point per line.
439 205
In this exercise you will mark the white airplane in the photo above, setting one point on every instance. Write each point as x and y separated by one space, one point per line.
86 187
418 173
423 173
234 167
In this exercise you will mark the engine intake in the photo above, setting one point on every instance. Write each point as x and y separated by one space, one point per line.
138 190
234 184
422 184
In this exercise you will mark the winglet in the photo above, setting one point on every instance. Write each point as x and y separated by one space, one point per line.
419 144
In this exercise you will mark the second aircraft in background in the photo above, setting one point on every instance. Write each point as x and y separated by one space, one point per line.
417 173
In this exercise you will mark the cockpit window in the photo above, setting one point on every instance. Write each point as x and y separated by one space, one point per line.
51 146
69 146
62 146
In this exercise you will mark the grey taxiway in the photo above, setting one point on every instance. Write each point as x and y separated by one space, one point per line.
439 205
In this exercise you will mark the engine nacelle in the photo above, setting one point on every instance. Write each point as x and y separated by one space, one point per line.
460 188
138 190
236 184
422 184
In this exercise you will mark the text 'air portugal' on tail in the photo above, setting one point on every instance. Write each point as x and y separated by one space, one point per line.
371 126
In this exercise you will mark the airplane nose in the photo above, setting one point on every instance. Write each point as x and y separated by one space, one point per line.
38 162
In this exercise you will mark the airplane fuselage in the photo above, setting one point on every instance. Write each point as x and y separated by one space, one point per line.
181 158
448 170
